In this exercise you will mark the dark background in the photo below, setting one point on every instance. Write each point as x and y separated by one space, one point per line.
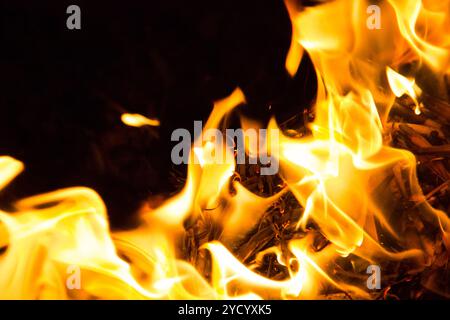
62 91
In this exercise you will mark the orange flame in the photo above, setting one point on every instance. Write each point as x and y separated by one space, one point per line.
138 120
337 174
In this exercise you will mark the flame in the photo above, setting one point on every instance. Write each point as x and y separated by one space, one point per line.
138 120
337 174
425 26
401 85
295 52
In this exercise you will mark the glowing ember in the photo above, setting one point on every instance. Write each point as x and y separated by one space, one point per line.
138 120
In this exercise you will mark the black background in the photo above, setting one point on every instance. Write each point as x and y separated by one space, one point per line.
62 91
279 309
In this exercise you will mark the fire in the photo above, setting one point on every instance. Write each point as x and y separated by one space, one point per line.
336 174
138 120
401 85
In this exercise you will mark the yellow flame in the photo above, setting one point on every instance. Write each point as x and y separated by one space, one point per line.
295 52
337 174
138 120
400 85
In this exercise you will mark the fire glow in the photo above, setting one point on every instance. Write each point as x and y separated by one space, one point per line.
336 174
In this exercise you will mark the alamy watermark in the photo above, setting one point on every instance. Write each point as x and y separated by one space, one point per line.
261 146
374 280
73 280
73 21
373 22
